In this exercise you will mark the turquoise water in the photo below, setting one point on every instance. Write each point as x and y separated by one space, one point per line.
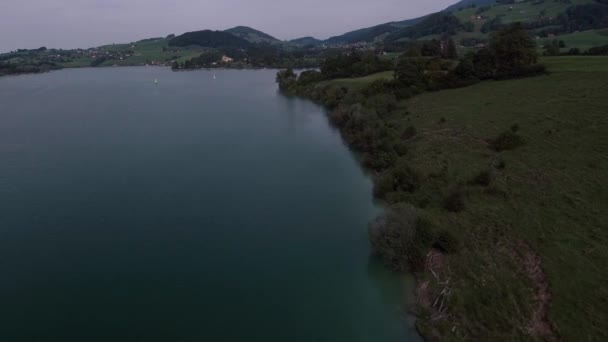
188 211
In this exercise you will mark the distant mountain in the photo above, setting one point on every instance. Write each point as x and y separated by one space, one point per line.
304 41
252 35
208 38
467 3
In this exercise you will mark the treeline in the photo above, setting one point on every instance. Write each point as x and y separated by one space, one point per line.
24 61
27 67
366 119
554 49
354 64
255 56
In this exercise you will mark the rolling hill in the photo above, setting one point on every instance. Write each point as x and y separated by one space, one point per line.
374 33
252 35
208 38
306 41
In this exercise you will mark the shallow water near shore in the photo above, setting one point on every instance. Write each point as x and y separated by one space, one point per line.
195 209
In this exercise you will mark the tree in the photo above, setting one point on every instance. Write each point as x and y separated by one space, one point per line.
175 65
484 63
469 26
393 237
431 48
286 78
513 49
408 72
465 69
450 49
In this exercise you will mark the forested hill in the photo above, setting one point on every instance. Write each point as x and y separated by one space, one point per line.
434 24
208 38
305 41
373 33
379 32
252 35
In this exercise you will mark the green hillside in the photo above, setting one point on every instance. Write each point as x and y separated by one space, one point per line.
547 19
546 194
147 51
522 230
374 33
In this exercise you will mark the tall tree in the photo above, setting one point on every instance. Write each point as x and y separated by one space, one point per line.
450 49
513 48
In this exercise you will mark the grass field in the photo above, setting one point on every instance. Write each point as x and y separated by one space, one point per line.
528 11
550 194
581 40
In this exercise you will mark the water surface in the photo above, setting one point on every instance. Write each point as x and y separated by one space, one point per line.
188 211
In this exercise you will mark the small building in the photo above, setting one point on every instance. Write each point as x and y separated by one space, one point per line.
226 59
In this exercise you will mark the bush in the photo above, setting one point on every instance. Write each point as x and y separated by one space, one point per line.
409 133
447 241
501 164
454 202
384 104
506 141
409 72
393 237
402 178
384 185
400 149
406 178
309 77
484 178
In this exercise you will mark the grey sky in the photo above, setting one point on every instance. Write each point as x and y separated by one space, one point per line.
86 23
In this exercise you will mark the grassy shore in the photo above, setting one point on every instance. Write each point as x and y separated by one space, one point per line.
534 236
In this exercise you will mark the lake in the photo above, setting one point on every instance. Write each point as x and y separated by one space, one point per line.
192 210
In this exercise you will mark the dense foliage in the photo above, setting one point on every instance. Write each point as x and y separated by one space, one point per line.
254 56
585 17
354 64
29 61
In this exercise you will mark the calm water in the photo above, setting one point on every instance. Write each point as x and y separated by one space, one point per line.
193 210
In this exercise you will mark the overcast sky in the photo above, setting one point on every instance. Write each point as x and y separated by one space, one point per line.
87 23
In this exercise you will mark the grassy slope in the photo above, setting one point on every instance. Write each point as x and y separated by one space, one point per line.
550 195
552 184
527 12
145 52
581 40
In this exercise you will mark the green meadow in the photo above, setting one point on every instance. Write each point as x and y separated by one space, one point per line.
549 194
